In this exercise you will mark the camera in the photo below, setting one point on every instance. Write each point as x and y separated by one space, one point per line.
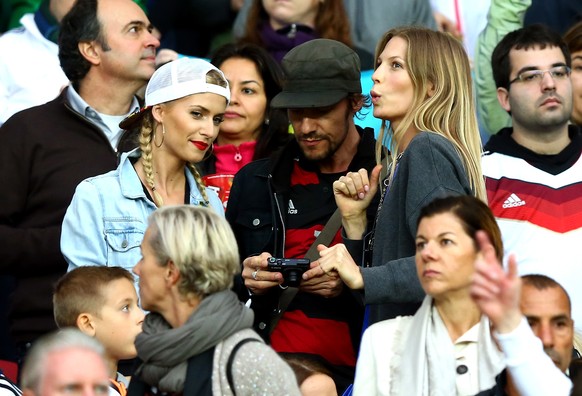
291 268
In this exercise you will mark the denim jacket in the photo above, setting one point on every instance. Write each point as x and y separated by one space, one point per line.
107 218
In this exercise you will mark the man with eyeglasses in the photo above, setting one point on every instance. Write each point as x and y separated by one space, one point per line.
533 170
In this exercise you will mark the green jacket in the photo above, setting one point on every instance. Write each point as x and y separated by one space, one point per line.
504 16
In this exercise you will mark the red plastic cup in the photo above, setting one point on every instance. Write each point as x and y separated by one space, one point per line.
221 184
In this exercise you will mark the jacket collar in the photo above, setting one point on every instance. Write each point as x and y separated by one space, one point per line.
132 188
503 143
281 163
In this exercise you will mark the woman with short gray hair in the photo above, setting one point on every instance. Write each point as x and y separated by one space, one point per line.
197 338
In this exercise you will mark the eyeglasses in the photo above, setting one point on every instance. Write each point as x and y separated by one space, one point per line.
531 76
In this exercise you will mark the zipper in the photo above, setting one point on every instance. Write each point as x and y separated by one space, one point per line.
279 247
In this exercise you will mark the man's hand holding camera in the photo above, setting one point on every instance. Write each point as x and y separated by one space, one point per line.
259 278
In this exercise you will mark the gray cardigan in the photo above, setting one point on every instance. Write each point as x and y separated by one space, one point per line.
429 168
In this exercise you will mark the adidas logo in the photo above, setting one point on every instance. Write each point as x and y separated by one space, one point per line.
291 209
513 201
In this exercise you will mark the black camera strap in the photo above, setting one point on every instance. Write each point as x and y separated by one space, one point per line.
324 238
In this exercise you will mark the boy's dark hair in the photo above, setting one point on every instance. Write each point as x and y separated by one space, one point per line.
537 35
81 291
80 24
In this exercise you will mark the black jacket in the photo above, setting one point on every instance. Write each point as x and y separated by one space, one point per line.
256 211
45 152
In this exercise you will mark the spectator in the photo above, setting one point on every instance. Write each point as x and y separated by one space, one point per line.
23 83
436 150
107 51
533 170
573 39
192 27
279 205
102 303
503 18
279 27
546 306
63 361
184 106
251 129
368 21
19 8
197 338
447 344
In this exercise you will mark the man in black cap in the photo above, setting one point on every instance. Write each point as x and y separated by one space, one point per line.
278 207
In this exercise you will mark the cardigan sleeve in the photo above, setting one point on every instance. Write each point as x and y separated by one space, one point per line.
430 169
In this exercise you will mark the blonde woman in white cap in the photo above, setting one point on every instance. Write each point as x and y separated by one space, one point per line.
184 105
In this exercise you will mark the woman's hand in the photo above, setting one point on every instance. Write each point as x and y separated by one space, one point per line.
325 285
336 259
353 194
256 275
496 292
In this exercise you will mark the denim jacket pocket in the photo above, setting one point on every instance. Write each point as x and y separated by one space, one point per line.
254 231
123 237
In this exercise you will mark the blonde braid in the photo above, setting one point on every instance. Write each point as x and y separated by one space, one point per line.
145 144
199 183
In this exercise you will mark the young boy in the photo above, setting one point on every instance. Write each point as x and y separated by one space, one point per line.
102 302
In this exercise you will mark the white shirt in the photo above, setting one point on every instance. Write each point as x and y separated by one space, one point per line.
30 72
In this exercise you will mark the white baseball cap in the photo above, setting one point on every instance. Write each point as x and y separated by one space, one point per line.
175 80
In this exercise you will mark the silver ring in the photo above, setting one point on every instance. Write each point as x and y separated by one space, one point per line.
254 274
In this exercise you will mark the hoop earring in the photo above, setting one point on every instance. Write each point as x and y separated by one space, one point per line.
208 154
163 137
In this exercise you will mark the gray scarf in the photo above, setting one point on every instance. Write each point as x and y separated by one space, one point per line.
165 351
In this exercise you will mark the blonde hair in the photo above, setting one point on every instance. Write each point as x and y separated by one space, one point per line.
147 135
437 62
201 245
